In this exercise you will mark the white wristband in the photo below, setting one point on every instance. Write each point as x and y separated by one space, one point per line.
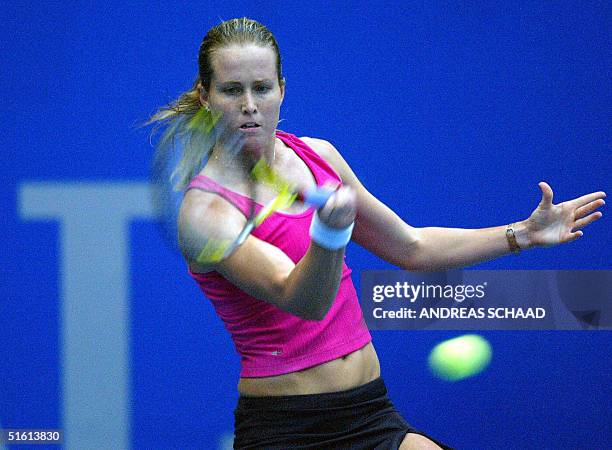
328 237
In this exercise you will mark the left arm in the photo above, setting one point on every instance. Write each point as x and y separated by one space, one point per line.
381 231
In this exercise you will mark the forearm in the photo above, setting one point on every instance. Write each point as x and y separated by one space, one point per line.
311 287
447 248
313 284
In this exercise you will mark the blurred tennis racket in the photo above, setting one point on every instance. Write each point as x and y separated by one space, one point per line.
261 189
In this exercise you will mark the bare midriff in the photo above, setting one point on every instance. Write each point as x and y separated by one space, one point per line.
350 371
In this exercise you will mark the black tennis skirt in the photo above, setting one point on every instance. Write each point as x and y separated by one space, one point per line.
362 418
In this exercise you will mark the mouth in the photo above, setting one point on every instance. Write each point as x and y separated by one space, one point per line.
250 126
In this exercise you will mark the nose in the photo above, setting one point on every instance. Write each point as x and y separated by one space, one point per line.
248 105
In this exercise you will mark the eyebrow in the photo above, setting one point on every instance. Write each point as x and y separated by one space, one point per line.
234 82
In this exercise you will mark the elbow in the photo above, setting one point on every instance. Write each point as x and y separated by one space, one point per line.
427 265
415 265
312 309
423 265
414 258
319 314
418 259
308 307
305 313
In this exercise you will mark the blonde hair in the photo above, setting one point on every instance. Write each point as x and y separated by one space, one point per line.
183 116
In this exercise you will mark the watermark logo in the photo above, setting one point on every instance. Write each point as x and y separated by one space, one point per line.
488 300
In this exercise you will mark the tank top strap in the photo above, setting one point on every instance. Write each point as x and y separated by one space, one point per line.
204 183
320 169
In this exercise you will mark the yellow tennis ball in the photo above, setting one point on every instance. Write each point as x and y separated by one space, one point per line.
460 357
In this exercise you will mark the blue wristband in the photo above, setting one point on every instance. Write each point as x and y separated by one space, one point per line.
328 237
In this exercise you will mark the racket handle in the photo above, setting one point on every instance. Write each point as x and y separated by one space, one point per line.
317 196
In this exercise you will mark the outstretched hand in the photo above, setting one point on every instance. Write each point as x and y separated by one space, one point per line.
557 224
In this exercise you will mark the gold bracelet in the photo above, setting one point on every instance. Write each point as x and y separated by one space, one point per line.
510 236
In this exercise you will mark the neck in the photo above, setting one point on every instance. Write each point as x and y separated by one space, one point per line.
244 153
232 160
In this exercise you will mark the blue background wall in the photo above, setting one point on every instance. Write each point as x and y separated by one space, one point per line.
450 113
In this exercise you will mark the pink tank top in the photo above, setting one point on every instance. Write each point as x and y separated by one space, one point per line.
269 340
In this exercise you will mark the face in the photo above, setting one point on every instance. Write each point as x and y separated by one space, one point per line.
245 89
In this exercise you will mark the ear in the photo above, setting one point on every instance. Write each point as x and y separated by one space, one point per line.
203 95
282 89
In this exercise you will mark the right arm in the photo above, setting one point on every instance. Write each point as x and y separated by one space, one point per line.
306 289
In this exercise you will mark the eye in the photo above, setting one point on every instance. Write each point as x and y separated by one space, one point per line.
262 88
232 90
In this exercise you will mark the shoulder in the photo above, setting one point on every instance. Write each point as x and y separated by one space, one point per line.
328 152
332 156
207 208
196 203
206 216
322 147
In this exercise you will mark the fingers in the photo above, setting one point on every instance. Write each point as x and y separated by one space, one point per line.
318 196
588 208
581 223
340 210
547 193
572 236
585 213
586 199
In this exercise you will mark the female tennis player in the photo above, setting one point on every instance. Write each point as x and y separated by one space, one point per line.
310 376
